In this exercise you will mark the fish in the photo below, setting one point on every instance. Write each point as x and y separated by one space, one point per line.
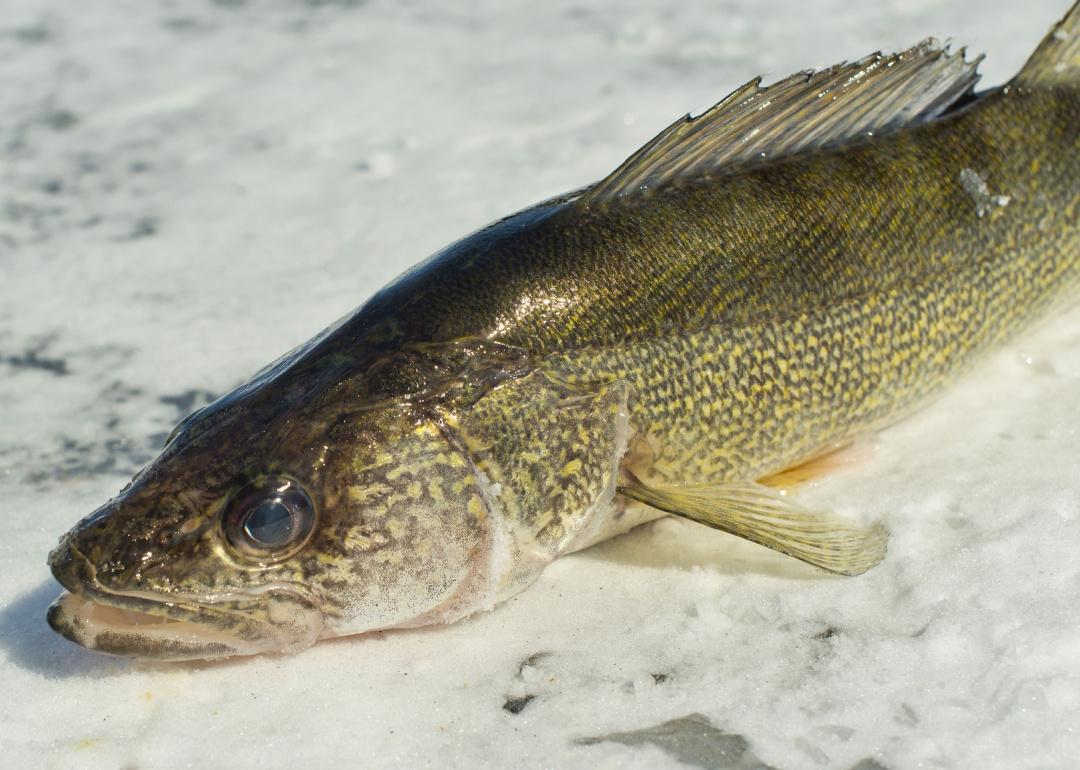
754 289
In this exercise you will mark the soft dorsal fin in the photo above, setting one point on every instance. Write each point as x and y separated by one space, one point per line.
804 111
1057 59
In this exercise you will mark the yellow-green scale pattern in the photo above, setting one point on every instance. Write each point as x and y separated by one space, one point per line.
762 315
836 291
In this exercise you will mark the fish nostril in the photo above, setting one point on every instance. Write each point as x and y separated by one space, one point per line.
69 565
57 556
61 552
61 561
189 526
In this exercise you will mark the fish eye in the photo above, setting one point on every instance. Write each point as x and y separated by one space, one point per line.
270 519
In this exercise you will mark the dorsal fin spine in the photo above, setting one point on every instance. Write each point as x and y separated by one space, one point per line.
1057 59
805 111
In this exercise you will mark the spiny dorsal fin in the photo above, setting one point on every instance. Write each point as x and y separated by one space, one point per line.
1057 59
804 111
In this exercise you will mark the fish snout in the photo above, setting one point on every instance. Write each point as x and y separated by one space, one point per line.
68 564
72 570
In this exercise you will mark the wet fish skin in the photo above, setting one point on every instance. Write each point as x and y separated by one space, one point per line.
766 315
485 413
853 285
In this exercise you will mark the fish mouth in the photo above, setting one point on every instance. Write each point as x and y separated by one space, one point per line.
168 627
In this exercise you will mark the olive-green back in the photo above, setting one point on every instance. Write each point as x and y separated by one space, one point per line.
757 313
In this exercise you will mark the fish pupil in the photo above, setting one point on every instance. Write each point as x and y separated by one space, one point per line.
268 519
269 523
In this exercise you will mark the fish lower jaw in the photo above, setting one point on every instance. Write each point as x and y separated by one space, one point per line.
129 633
113 629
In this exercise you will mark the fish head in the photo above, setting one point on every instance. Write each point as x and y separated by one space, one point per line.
274 518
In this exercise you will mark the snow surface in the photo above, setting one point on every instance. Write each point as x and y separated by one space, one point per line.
187 189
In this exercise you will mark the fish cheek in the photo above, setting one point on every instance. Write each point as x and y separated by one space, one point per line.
407 543
412 569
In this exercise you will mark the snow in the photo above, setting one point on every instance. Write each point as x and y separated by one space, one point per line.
975 186
191 188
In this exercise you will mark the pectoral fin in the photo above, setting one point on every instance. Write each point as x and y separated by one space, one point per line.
766 517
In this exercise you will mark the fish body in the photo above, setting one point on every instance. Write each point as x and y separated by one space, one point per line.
756 286
760 317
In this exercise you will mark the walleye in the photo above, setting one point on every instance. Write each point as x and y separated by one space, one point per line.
757 285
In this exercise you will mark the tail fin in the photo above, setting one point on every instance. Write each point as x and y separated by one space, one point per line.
1057 59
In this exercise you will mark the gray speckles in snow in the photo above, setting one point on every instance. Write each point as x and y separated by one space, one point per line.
32 359
111 447
825 645
189 400
335 3
53 188
107 451
975 186
143 227
59 119
906 715
35 357
868 764
842 732
812 750
517 705
528 673
39 354
31 34
693 740
530 663
78 458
